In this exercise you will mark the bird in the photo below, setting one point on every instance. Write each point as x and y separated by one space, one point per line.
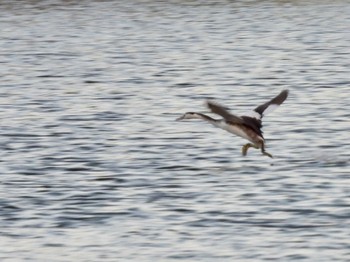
246 126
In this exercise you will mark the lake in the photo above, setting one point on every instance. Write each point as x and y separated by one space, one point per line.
94 166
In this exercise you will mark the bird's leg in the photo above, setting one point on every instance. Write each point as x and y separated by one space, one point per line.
263 150
246 147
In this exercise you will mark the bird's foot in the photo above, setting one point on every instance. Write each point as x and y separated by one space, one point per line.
267 154
246 147
263 150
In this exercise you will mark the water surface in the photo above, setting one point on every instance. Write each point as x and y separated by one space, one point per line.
94 167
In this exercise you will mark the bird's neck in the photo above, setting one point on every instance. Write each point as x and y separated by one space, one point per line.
207 118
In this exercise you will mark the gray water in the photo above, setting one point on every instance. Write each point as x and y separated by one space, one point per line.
94 168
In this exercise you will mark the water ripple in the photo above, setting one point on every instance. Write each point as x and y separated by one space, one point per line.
93 163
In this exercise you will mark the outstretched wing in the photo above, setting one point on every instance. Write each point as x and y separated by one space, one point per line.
222 111
271 105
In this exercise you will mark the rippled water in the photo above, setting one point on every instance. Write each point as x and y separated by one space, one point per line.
94 167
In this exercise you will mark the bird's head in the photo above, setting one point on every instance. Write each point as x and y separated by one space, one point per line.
188 115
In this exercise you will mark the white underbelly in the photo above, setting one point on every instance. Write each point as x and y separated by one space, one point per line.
235 130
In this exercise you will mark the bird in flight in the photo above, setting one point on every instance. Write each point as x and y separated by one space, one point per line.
248 127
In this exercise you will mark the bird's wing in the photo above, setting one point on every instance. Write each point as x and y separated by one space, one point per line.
222 111
268 107
253 123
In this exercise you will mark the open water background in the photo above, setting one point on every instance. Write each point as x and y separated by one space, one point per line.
93 166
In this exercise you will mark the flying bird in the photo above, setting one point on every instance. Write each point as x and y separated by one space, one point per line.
247 127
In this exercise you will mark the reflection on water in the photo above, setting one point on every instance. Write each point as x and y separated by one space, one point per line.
94 167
